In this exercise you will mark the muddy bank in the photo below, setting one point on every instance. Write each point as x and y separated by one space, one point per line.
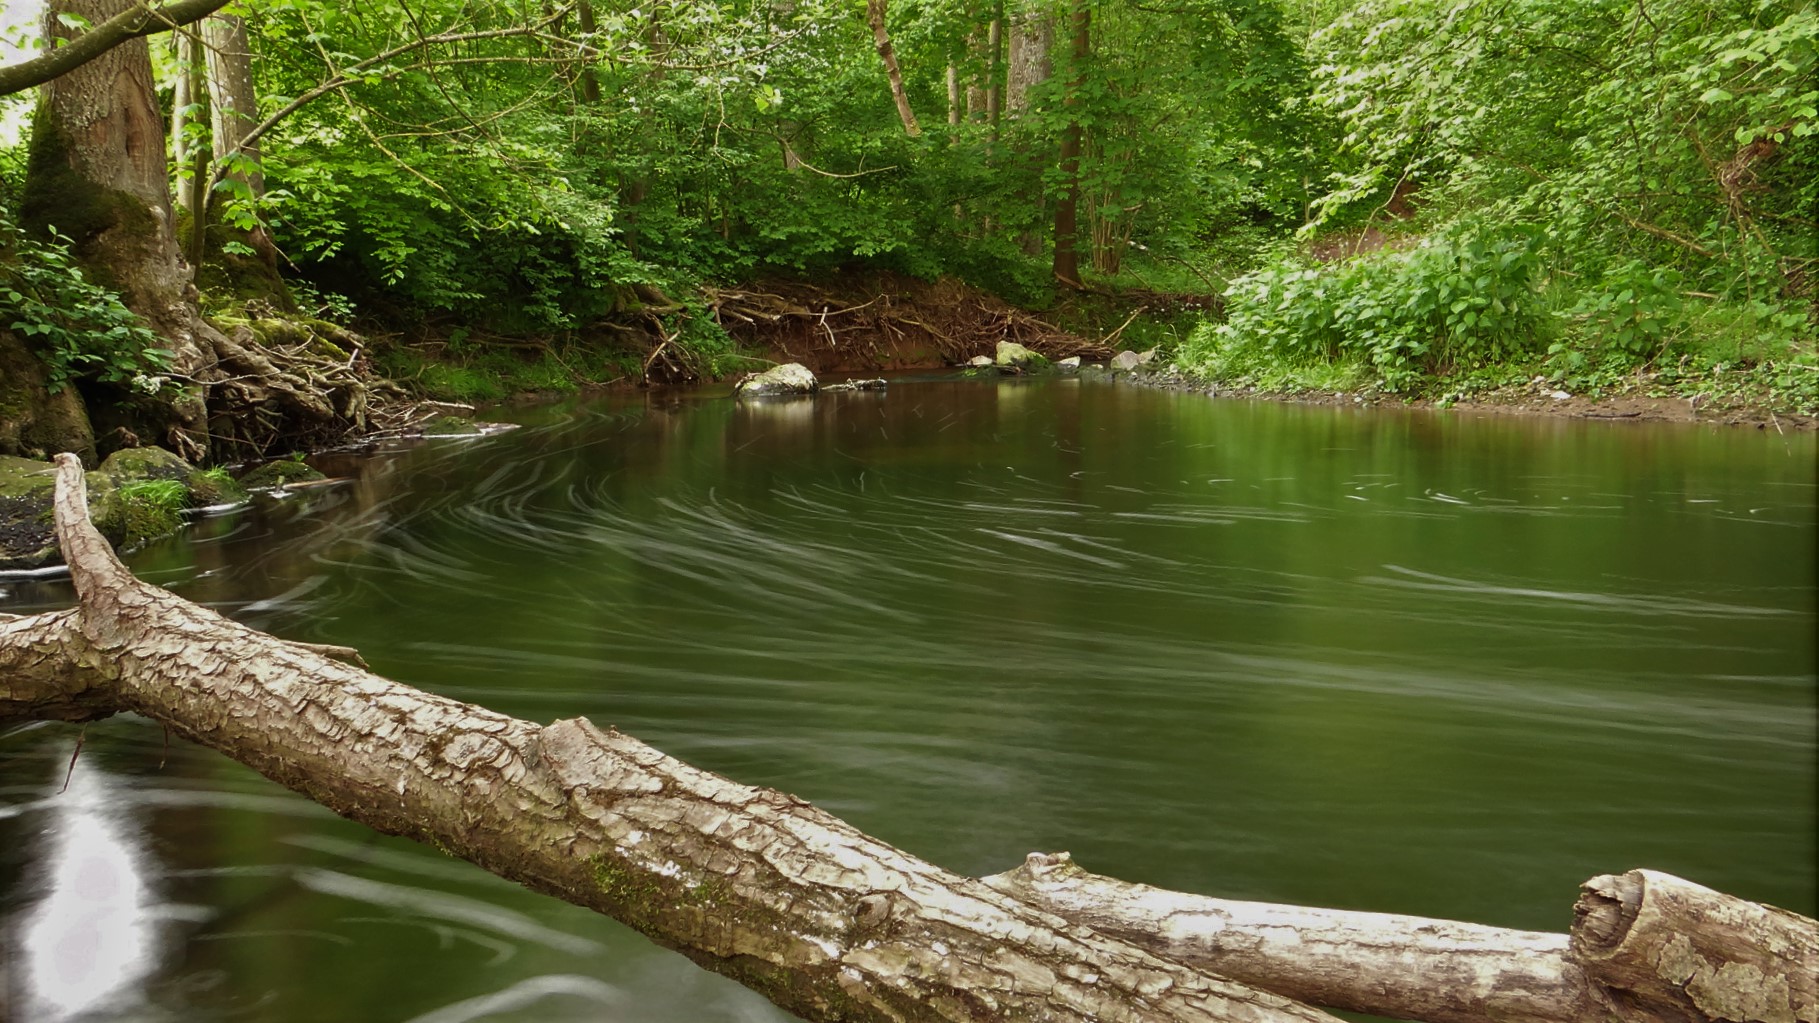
1523 400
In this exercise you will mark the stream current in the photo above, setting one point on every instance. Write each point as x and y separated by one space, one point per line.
1398 661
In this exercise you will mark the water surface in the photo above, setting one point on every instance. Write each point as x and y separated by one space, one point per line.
1409 662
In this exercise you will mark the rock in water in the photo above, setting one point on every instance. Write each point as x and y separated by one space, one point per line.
1126 361
979 361
874 384
1070 364
1014 356
789 378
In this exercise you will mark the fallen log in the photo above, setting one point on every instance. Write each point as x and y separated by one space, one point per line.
1666 948
823 920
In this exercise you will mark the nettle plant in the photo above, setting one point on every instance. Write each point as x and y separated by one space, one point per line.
80 329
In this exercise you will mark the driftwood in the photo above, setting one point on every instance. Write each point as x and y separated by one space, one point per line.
825 921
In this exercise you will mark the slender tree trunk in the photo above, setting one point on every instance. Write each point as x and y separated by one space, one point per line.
828 922
590 84
191 157
1067 210
875 11
233 110
953 95
994 72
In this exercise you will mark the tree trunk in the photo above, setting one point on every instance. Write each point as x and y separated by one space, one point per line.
233 109
188 152
590 83
825 921
1067 210
881 40
1032 36
96 171
1396 966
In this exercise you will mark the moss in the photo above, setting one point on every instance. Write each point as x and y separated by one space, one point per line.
622 885
150 509
281 473
55 195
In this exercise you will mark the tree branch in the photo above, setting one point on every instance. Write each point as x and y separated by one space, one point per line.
129 24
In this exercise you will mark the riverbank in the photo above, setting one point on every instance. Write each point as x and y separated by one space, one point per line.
1635 403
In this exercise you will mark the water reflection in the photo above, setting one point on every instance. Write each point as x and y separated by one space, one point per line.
92 937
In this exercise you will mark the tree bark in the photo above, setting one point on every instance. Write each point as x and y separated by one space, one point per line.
1396 966
875 11
825 921
1067 210
1668 949
1028 65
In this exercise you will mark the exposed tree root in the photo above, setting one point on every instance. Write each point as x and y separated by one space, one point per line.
901 323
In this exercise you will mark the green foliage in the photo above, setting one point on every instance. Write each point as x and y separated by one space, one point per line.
80 329
1457 300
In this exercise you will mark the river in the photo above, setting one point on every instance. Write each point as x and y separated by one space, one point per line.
1402 661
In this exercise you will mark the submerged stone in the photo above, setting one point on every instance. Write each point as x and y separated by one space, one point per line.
791 378
273 475
874 384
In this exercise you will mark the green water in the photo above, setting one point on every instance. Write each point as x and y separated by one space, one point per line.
1408 662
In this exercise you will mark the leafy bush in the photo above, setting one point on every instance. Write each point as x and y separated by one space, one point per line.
1458 300
80 329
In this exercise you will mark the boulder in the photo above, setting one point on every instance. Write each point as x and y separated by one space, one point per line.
1126 361
1013 356
791 378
